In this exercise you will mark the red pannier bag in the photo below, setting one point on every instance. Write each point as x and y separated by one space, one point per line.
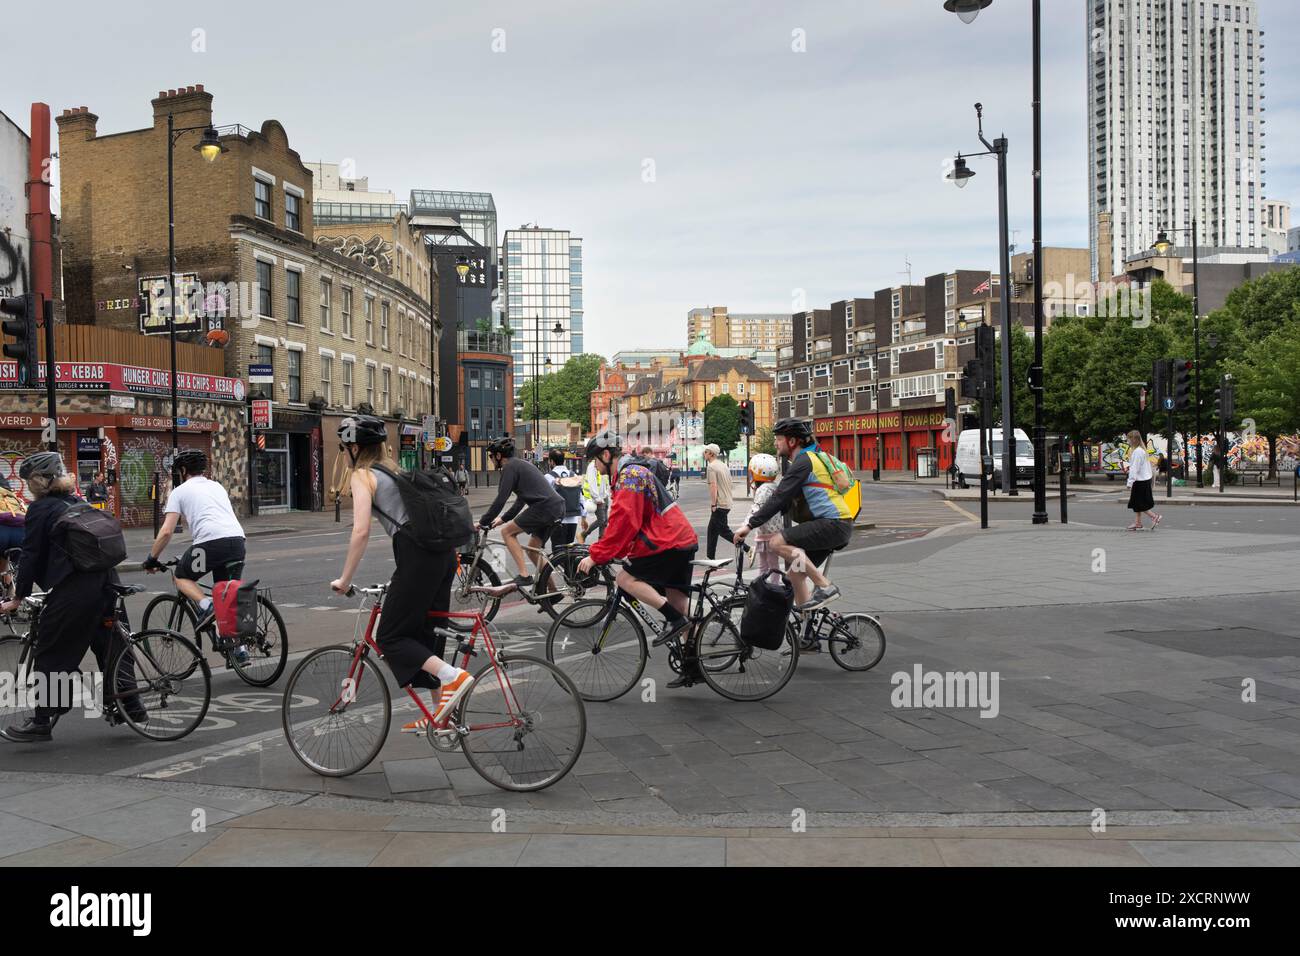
235 605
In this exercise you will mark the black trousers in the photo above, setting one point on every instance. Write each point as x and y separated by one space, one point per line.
421 583
598 523
562 535
71 621
718 528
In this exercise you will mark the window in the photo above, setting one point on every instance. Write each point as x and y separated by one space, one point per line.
726 388
401 333
474 420
347 382
821 371
261 199
370 321
383 324
347 312
370 385
473 378
388 381
950 291
740 388
293 294
326 291
292 212
295 376
326 378
264 288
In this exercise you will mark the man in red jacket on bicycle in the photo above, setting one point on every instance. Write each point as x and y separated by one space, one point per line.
648 529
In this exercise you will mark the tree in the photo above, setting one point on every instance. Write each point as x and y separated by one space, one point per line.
722 423
764 441
1022 399
1267 383
566 394
1264 305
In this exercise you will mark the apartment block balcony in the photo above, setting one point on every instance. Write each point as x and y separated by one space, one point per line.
475 341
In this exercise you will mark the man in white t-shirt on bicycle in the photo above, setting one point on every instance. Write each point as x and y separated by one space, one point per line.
217 537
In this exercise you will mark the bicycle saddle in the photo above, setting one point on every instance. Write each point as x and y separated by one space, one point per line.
715 563
122 590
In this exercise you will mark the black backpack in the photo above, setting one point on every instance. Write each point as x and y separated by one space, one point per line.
92 539
571 493
767 609
437 514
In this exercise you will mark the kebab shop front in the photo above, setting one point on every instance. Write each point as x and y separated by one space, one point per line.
900 434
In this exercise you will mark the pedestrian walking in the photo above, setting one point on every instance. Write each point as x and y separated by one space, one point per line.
720 498
1140 475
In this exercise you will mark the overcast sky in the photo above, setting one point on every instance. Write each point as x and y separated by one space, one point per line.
774 171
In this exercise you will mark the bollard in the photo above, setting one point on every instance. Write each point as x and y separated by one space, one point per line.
157 510
1066 458
338 506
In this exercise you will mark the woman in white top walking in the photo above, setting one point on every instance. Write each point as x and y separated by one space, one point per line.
1140 499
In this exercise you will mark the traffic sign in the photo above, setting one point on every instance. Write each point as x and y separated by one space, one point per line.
431 425
1169 403
182 423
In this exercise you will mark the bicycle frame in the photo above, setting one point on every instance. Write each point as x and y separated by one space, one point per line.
465 647
544 561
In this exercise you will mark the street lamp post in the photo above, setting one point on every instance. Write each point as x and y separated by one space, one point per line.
1162 246
960 175
209 147
537 366
967 11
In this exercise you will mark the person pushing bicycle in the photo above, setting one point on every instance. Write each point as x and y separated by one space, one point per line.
648 529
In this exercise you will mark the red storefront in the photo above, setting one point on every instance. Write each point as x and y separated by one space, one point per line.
903 433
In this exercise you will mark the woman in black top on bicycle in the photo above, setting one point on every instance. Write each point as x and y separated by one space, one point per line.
78 601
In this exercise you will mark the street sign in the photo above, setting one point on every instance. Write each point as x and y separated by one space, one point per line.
431 425
261 374
261 415
448 459
182 423
121 401
1169 403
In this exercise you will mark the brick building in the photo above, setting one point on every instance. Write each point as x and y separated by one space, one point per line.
343 316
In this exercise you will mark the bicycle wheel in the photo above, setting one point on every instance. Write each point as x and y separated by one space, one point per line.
605 660
267 651
857 641
735 669
526 723
161 684
352 717
560 574
16 666
461 600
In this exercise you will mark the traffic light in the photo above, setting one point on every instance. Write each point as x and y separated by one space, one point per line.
986 351
949 404
970 380
1218 404
1224 403
747 417
1159 384
22 329
1181 384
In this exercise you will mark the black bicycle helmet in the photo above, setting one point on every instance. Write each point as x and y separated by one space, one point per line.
362 430
602 440
192 462
797 428
44 464
505 447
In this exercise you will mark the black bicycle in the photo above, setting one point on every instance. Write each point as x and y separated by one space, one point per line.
259 660
602 645
153 682
478 588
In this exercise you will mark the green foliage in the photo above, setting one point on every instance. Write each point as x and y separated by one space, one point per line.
1267 382
1265 305
1022 399
764 442
566 394
722 423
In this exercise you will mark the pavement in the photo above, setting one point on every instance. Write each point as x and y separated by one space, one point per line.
1148 680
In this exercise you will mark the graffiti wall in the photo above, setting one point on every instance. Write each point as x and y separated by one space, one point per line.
14 246
14 447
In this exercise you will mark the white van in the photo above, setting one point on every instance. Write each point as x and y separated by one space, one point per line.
968 456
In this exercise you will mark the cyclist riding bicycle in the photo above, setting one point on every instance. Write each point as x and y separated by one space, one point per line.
544 508
217 544
76 604
825 522
421 580
648 529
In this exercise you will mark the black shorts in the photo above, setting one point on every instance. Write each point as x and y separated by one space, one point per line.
540 519
667 569
222 557
820 537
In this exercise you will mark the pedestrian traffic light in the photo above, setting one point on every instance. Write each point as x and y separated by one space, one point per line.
747 417
1181 384
22 329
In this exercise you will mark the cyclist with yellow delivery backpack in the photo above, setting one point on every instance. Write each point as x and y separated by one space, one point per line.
822 497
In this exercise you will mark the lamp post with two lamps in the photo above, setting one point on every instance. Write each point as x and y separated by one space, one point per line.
960 175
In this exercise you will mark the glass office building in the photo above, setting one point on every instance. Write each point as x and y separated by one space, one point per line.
542 280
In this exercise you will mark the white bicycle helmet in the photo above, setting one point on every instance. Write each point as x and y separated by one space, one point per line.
764 467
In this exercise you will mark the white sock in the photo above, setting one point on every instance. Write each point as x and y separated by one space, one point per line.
447 673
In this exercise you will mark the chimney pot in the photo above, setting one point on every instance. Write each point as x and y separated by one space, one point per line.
189 89
199 87
171 92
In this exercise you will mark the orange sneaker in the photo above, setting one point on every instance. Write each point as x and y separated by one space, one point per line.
452 693
416 726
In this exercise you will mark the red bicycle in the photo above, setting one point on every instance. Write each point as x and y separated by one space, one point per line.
521 724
